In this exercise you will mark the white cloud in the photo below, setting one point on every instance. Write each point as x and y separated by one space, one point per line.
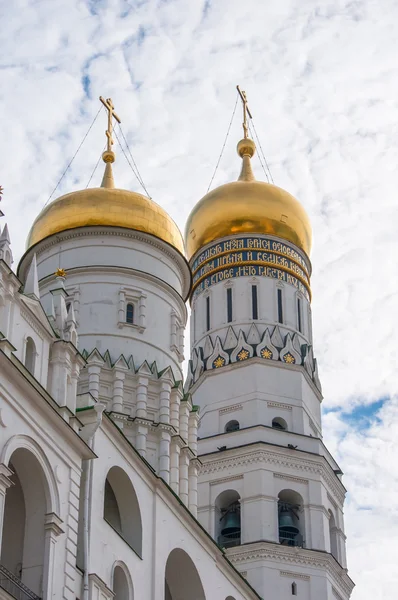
321 81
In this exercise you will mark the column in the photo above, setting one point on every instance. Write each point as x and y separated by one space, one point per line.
175 399
142 396
175 465
94 371
184 466
184 418
193 430
52 526
118 386
164 455
193 488
164 406
142 311
5 483
141 437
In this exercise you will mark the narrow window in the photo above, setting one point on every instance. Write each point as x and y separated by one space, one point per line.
280 311
299 322
30 355
130 313
229 305
294 589
207 313
254 302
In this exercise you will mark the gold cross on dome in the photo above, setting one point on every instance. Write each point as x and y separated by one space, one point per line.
111 114
246 112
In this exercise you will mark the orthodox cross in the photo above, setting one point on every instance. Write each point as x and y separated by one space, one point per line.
246 111
111 113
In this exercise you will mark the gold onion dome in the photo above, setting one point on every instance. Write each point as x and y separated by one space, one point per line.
247 206
106 206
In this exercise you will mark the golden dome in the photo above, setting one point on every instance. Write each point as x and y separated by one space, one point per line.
247 206
106 206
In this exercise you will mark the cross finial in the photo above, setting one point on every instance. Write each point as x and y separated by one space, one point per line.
246 112
109 156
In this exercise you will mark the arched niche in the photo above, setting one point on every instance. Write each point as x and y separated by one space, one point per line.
27 503
121 582
291 518
333 536
229 598
227 525
182 580
232 426
279 423
121 508
30 355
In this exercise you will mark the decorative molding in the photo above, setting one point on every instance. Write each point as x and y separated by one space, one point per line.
226 479
229 409
294 556
243 573
279 405
281 460
28 318
295 575
336 594
331 500
291 478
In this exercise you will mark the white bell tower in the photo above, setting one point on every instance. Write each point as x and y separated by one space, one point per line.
269 491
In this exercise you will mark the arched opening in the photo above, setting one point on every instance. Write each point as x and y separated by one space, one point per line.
30 355
121 508
294 588
232 426
290 518
229 598
228 519
122 586
130 313
333 536
26 504
182 581
279 423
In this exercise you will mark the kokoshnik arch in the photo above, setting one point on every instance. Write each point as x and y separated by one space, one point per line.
107 490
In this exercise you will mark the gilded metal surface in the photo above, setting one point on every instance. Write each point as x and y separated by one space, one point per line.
247 207
108 207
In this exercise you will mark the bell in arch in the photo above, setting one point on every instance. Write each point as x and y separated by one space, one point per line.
286 520
231 520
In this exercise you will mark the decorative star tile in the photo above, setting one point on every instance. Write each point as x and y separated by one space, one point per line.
218 362
266 353
289 358
243 354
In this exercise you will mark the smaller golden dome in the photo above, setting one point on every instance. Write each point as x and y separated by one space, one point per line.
247 206
109 207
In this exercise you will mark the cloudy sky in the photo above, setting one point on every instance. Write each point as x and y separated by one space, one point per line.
322 81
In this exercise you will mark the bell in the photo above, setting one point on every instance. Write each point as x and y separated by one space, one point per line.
286 522
232 523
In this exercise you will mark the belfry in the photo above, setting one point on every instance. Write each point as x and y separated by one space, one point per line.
123 479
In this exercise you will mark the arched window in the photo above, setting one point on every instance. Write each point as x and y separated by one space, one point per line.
333 536
294 588
228 521
232 426
30 355
122 585
130 313
229 305
121 508
290 518
26 504
280 305
182 579
279 423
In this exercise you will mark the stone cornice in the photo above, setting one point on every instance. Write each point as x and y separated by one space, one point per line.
84 232
255 454
301 557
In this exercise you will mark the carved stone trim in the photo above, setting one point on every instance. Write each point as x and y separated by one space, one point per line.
28 318
279 405
225 479
295 575
291 478
229 409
